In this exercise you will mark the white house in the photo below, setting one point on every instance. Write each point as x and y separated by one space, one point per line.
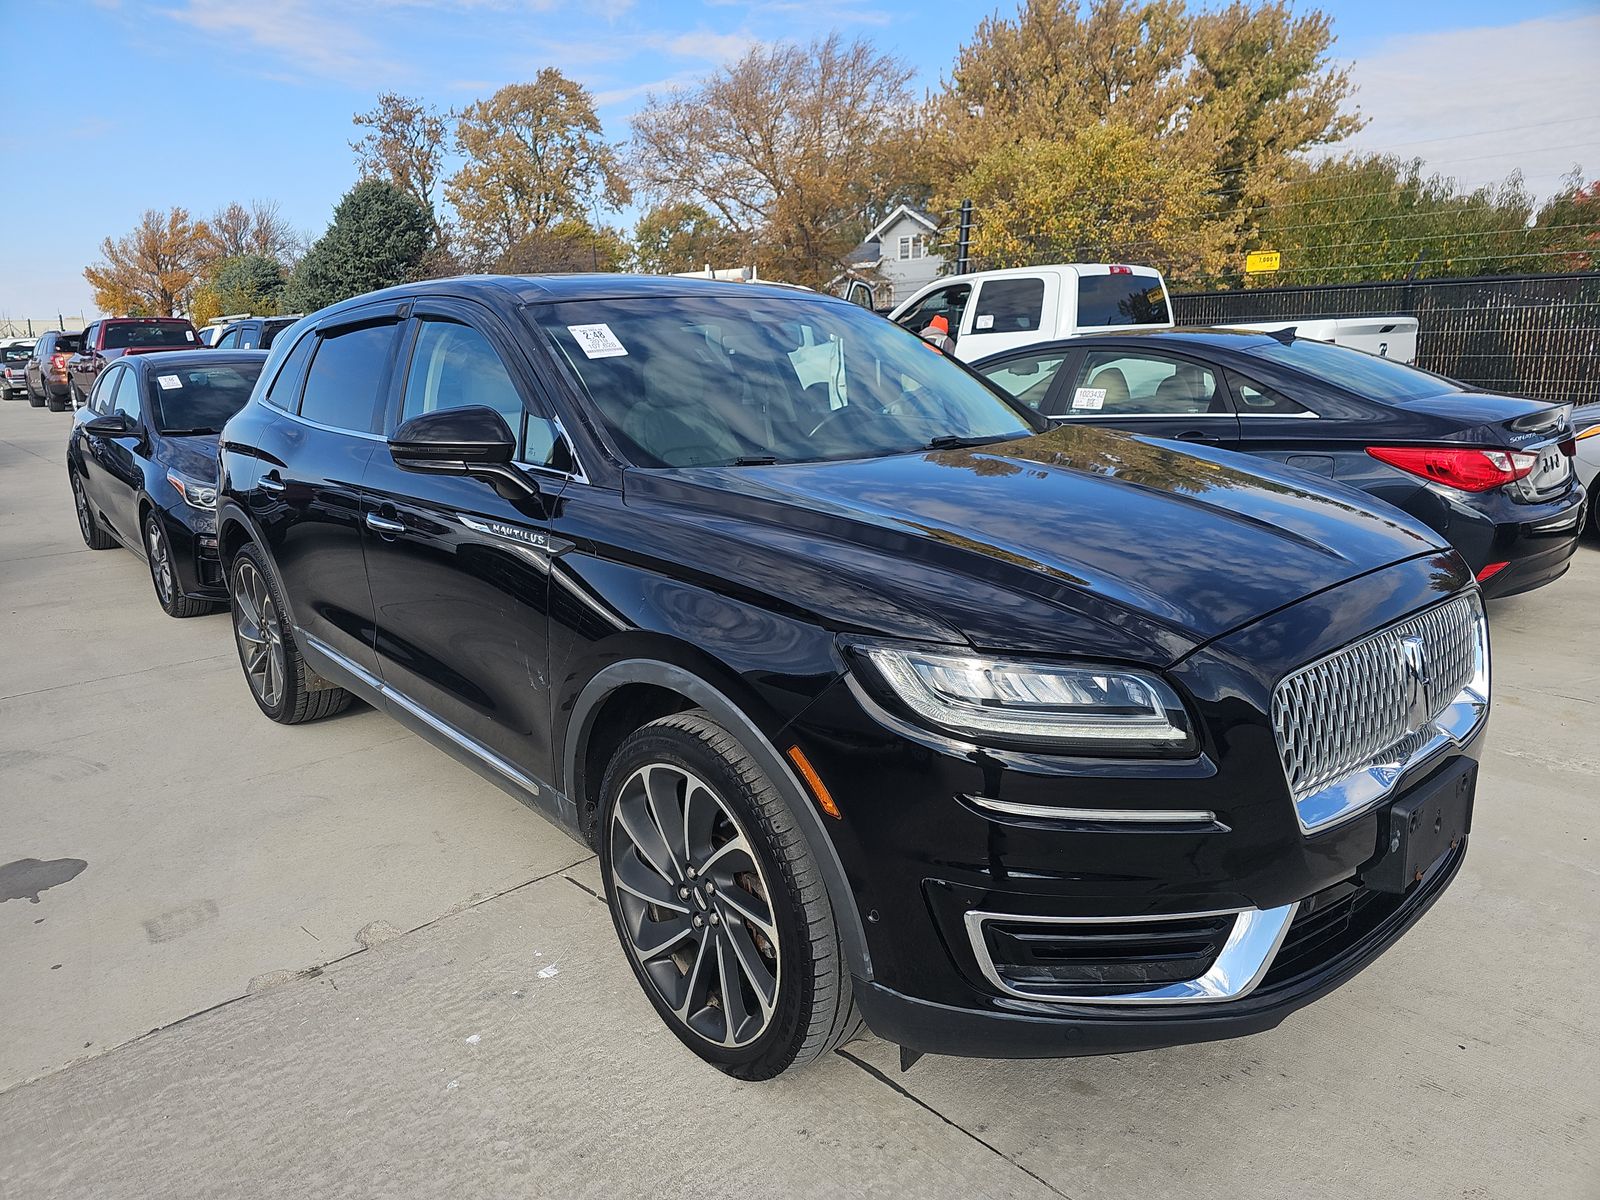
896 257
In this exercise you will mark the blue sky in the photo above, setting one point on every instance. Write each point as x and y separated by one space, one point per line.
200 102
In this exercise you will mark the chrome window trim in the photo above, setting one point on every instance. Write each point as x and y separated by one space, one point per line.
1454 726
294 416
1175 416
1052 812
1252 944
1302 415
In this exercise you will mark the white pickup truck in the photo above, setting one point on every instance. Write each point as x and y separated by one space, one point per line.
989 311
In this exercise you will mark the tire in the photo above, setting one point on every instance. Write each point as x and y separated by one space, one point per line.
164 576
284 688
94 537
74 399
734 903
38 401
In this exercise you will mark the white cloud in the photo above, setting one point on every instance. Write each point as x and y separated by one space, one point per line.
718 47
1477 104
301 37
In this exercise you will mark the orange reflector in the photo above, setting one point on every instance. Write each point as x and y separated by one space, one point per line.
1492 569
819 790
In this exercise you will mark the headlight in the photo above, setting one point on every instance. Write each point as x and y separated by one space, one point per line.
196 493
1088 709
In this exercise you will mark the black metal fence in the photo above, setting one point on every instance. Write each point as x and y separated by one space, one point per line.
1527 335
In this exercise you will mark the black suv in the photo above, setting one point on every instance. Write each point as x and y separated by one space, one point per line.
877 697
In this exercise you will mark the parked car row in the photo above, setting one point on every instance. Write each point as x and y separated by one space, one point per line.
883 693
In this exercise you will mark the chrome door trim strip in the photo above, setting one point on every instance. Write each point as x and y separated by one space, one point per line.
1052 812
470 744
1243 962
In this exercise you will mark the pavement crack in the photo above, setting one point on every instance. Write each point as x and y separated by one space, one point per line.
108 678
923 1104
584 887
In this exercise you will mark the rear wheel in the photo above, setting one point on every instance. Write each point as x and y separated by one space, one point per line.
44 394
164 574
284 688
718 901
88 524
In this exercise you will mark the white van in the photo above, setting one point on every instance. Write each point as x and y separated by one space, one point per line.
989 311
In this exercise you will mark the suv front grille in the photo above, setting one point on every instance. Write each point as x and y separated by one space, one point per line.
1377 705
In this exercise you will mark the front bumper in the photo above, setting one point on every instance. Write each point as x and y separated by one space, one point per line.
934 832
194 556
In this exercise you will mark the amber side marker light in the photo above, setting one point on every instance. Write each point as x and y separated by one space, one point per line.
819 790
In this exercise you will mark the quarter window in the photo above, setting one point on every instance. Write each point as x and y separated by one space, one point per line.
1009 306
1114 384
1028 378
1255 398
346 372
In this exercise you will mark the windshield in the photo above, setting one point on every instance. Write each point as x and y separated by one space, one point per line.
200 399
1364 374
1121 300
716 380
156 333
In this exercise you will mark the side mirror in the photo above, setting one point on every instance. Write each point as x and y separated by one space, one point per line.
116 424
462 441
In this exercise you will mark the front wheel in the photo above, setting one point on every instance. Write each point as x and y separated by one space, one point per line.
718 901
284 688
164 573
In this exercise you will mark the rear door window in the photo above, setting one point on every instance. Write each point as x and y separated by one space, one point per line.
1009 306
1114 383
1105 300
347 370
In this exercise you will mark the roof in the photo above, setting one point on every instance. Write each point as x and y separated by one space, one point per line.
915 214
181 358
864 255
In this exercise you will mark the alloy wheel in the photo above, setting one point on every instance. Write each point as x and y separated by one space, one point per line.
160 561
259 632
695 905
81 503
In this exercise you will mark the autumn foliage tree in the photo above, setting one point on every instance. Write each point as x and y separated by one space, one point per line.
536 157
791 148
258 230
153 270
682 237
404 144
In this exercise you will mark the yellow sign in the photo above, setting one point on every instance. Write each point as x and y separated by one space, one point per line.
1260 261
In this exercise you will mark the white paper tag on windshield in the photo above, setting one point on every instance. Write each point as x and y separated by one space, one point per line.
1093 398
169 382
188 335
597 341
986 321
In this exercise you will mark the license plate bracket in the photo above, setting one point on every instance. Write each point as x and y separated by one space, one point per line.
1421 826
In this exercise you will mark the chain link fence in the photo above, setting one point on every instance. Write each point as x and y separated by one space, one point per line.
1526 335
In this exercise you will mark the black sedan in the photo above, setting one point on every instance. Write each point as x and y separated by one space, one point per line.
1493 474
142 461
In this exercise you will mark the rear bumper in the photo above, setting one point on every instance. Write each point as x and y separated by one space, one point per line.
1537 548
1020 1029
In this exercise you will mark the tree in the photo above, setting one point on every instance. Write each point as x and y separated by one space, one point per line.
682 237
250 283
378 238
536 157
792 148
569 245
1108 194
260 230
1379 217
151 271
1568 226
404 144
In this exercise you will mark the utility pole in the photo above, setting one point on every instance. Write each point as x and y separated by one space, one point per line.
964 237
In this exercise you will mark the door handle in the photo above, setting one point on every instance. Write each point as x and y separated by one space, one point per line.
384 525
271 483
1196 435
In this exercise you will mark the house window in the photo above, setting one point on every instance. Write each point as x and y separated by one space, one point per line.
911 247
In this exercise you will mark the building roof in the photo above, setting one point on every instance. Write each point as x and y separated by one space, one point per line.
916 215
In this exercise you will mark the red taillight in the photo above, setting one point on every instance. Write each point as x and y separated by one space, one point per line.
58 362
1469 470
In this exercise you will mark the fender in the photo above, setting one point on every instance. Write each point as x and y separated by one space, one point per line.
231 512
729 716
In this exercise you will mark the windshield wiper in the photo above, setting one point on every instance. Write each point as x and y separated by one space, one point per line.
952 441
756 460
187 432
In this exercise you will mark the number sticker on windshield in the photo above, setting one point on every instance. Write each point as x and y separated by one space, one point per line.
1091 398
597 341
169 382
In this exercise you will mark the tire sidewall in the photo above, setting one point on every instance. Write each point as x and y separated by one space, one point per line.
291 681
781 1040
152 522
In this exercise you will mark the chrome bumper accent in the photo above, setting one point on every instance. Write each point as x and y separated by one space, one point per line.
1352 724
1135 816
1252 943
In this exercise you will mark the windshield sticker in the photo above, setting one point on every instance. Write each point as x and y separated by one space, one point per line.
169 382
1090 398
597 341
188 335
985 321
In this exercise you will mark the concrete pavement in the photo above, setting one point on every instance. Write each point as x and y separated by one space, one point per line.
328 961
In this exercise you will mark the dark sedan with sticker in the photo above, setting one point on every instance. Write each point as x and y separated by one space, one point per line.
1493 474
142 464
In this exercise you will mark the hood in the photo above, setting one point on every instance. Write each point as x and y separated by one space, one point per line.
1076 541
194 456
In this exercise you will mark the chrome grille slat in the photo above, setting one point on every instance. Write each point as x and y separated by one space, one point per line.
1352 711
